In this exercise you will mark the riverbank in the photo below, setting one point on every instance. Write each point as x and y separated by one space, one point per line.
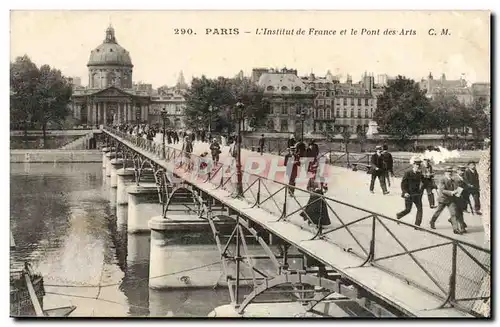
63 156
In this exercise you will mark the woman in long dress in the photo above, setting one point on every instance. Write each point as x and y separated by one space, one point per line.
316 211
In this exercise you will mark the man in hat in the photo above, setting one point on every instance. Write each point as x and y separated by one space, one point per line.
292 163
428 181
462 198
262 141
411 187
447 189
472 178
388 163
377 170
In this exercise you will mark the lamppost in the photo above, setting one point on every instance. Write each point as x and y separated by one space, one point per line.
240 107
210 109
302 117
164 115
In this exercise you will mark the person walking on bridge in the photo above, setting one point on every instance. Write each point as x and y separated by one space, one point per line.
428 181
472 178
262 141
316 210
447 191
292 164
377 170
411 187
291 141
388 164
215 149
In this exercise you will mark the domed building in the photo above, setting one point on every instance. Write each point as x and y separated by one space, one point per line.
109 98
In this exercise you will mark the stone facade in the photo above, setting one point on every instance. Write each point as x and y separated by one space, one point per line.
111 97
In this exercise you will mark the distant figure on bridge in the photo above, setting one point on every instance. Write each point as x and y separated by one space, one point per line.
215 150
291 141
388 164
472 178
316 211
292 164
187 148
262 142
312 152
411 187
428 181
377 170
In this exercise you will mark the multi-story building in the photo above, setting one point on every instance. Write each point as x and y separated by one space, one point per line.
458 88
112 98
173 101
288 96
342 106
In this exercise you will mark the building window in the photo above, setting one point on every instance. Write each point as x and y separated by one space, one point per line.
320 114
352 112
298 89
371 113
366 113
337 112
345 113
366 102
270 88
284 109
284 88
345 101
359 113
284 125
359 101
328 114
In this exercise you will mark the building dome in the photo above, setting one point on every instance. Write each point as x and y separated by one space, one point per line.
110 53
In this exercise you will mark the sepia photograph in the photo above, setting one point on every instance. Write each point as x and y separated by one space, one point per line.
250 164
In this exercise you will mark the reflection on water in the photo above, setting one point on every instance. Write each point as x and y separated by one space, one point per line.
65 224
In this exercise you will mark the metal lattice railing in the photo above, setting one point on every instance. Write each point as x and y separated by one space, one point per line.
450 269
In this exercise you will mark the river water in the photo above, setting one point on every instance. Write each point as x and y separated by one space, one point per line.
65 225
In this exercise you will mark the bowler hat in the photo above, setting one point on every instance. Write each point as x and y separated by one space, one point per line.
378 147
449 169
462 168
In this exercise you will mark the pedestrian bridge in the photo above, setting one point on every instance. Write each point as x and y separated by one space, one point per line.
389 267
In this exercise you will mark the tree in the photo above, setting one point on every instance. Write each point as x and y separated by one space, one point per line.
361 137
478 118
38 96
402 110
24 76
220 95
53 95
445 110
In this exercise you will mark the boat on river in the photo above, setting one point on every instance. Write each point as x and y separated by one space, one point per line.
27 292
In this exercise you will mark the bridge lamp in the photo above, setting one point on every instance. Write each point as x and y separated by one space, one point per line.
239 111
164 117
210 109
302 117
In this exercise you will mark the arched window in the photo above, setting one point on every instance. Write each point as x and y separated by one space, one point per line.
284 88
270 88
298 89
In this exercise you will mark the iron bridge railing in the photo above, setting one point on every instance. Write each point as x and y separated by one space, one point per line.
450 269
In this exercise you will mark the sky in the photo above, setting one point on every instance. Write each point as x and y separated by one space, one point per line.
64 39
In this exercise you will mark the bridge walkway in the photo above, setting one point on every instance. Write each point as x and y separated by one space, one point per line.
408 268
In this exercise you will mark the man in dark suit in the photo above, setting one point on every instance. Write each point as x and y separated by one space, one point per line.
411 187
262 142
388 164
463 199
377 169
428 181
447 190
292 164
472 178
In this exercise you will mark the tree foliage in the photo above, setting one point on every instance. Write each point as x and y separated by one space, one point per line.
39 96
220 95
402 109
